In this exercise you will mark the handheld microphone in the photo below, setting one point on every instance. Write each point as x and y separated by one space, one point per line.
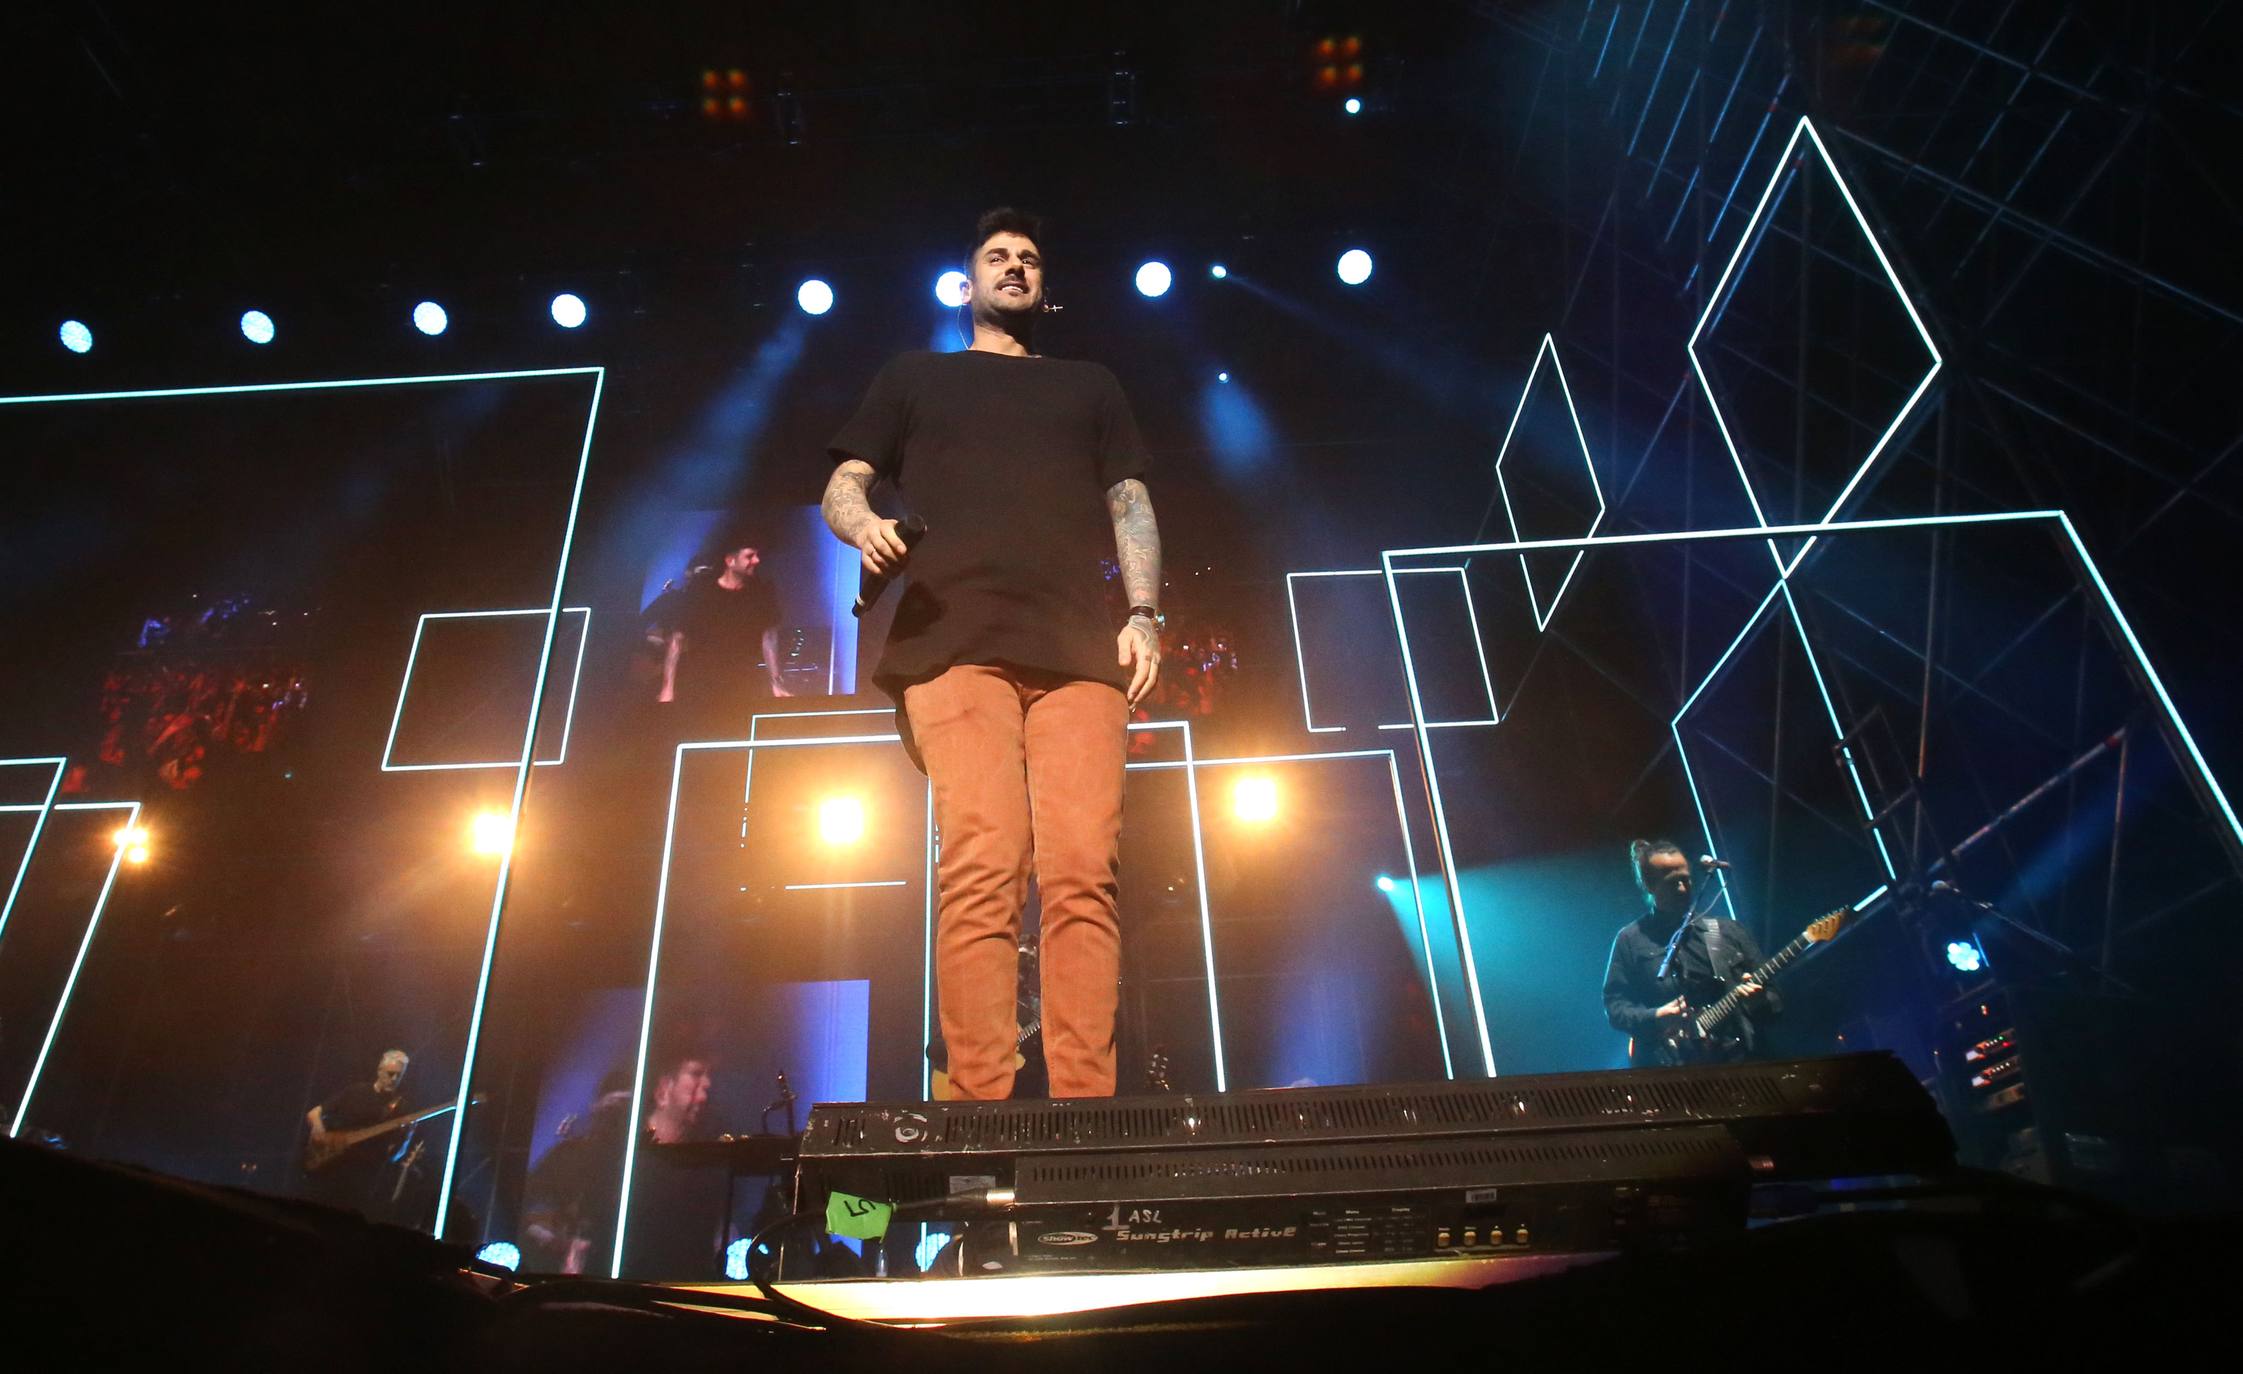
1709 862
911 529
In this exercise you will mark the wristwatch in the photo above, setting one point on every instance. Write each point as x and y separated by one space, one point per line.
1159 621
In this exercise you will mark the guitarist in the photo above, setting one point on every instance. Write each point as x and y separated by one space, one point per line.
349 1181
1672 960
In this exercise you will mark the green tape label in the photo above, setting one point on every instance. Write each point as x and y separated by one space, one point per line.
858 1218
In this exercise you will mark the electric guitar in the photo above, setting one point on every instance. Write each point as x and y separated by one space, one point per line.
321 1151
1704 1034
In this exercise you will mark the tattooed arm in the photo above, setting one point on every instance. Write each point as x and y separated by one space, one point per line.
849 515
1137 547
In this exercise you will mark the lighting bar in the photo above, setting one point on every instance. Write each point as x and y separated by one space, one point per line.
835 887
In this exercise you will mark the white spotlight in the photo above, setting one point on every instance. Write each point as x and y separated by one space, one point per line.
568 310
430 319
1218 271
1354 106
1153 279
814 296
1222 376
1355 267
950 288
257 326
75 336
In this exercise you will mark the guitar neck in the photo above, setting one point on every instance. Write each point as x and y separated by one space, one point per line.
1725 1008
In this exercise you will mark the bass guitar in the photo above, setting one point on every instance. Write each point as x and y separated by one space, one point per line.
321 1151
1708 1034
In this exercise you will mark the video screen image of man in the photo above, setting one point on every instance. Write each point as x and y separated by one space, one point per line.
569 1204
721 639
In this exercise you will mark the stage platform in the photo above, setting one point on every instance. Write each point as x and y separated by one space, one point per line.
933 1301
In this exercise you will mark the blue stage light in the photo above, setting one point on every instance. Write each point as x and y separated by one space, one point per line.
1355 267
1218 271
814 296
1965 956
568 310
430 319
1222 376
503 1253
930 1245
1153 279
950 288
1385 884
257 326
75 336
1354 105
736 1260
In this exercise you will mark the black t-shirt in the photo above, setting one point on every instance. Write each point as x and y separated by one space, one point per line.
723 631
357 1106
1008 460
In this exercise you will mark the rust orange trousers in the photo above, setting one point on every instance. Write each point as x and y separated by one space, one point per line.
1027 774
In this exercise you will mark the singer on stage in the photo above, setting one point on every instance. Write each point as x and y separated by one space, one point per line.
1013 684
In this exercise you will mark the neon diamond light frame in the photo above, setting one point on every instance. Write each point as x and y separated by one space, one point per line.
598 377
1471 617
1549 347
2192 758
85 941
1718 300
405 687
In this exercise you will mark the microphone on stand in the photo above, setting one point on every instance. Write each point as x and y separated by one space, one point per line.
911 529
1709 862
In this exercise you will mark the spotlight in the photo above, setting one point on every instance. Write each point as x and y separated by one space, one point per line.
491 833
131 837
568 310
1218 271
430 319
75 336
1354 105
814 296
503 1253
841 820
1965 956
1355 267
736 1260
950 288
1153 279
1254 800
1222 376
138 854
1385 884
257 326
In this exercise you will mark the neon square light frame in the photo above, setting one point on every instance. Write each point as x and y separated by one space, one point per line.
85 941
1542 617
405 687
1471 616
1409 852
2192 757
1718 300
926 1002
598 377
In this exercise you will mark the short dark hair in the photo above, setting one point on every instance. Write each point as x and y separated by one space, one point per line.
1640 852
1004 220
